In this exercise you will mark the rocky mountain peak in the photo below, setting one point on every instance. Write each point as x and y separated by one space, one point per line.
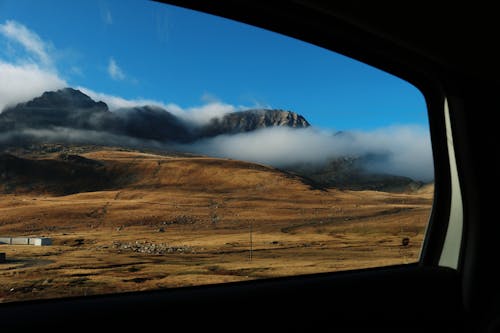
254 119
260 118
65 98
70 108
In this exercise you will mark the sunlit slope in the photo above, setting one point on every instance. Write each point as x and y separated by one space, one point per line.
62 174
166 221
113 187
199 192
203 174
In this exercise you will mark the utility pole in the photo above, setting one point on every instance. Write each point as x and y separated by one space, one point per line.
251 239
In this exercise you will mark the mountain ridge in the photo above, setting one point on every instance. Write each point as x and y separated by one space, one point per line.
71 108
107 169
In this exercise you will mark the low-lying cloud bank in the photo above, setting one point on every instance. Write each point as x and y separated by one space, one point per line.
398 150
402 150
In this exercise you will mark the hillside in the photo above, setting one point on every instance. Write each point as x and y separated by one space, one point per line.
123 220
116 169
62 175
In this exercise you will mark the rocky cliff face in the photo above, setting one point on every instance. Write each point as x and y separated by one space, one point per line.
250 120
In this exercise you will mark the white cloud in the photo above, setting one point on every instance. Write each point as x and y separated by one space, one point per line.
75 70
30 74
197 115
200 115
19 83
32 43
107 18
406 150
117 102
114 71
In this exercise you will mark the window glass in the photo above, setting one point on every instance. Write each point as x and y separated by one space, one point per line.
145 146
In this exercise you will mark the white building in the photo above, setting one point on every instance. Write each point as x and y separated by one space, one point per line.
37 241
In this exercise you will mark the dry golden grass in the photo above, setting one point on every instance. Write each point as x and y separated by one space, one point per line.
199 221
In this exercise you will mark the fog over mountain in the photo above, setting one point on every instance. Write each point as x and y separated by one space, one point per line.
402 151
279 138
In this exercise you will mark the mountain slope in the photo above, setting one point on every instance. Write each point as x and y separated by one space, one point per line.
64 174
115 169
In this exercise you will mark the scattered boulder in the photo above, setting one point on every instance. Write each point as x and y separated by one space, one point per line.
151 248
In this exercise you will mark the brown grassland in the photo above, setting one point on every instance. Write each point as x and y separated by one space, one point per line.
183 221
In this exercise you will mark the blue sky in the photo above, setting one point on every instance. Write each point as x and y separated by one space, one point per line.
142 50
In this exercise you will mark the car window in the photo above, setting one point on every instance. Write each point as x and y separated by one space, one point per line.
145 146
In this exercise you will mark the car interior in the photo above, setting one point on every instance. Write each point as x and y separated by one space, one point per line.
449 54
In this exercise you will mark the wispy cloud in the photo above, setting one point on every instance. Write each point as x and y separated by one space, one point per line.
106 16
117 102
31 42
114 71
75 70
196 115
162 25
25 82
31 72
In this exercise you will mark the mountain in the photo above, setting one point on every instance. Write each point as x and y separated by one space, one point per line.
251 120
69 108
62 108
